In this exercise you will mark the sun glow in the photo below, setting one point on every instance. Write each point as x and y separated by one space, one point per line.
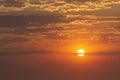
81 52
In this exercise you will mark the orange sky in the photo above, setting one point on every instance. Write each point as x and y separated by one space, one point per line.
39 39
31 26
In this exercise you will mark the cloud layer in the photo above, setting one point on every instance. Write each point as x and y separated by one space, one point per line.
50 23
61 6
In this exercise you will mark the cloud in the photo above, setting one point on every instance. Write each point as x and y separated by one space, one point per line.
85 22
60 27
66 6
91 20
11 38
59 6
13 5
24 21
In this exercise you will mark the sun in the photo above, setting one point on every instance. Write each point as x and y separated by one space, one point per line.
81 52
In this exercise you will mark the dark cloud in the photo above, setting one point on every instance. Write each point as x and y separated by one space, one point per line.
24 21
45 29
81 0
37 2
12 39
13 52
1 3
56 36
14 3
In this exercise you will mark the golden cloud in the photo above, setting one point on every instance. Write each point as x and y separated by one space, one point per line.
60 6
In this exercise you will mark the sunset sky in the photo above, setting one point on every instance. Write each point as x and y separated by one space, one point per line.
50 25
58 27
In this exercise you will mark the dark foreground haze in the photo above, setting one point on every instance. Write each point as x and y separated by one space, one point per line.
59 67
